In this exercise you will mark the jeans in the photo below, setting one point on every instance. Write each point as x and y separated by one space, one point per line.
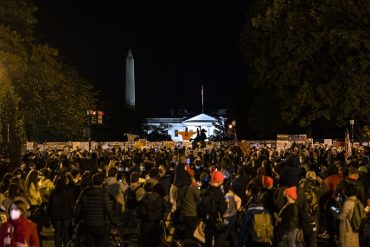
62 232
290 239
190 226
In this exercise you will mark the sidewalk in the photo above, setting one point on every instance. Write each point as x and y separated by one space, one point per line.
48 241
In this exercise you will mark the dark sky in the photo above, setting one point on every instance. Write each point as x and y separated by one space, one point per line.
177 45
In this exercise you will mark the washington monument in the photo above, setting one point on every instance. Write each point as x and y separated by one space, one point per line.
130 79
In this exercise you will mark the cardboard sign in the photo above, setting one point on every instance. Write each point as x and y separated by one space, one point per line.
245 147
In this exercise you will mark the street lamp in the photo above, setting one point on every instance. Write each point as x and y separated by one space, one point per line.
352 123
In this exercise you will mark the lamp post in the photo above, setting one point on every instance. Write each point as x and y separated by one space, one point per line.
233 123
352 123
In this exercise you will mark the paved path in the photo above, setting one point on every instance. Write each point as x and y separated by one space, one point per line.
49 238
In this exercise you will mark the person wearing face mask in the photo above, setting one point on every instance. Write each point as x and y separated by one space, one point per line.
18 231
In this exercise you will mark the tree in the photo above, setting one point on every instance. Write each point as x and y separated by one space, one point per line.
156 133
53 98
310 61
220 131
12 134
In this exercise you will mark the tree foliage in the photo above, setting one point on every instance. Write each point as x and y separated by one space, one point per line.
156 133
308 61
50 97
12 133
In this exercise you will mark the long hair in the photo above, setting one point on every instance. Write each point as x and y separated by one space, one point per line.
15 189
60 183
5 182
32 178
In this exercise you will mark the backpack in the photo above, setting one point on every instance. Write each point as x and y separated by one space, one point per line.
207 210
131 200
262 230
311 197
358 216
206 206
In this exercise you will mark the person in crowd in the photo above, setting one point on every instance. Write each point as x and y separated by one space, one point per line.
165 179
5 182
94 209
364 179
267 194
182 179
116 191
150 211
314 189
352 178
33 195
63 167
288 220
60 209
239 184
14 193
254 203
291 172
234 204
331 181
213 234
18 231
32 190
153 178
189 211
347 237
45 185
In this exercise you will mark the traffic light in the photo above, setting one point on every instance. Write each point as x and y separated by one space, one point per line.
93 117
100 117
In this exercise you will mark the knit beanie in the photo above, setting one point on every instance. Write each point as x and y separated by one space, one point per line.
267 181
217 177
291 192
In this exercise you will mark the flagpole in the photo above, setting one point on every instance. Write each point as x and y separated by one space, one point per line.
202 99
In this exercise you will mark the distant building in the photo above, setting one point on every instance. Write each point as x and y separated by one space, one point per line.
176 125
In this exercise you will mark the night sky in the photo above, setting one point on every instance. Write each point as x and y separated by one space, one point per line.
177 45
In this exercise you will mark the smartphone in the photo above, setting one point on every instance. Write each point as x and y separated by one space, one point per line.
334 209
188 161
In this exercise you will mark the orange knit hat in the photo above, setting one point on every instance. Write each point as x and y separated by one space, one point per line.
291 192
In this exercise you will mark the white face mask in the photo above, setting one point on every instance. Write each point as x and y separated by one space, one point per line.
15 214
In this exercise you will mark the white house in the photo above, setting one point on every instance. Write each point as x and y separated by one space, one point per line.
177 126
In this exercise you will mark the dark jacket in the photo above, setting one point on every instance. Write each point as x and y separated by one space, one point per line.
94 207
220 201
290 219
165 181
61 204
191 198
359 186
151 208
239 186
181 177
291 173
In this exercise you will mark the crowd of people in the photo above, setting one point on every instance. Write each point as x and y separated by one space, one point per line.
175 197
